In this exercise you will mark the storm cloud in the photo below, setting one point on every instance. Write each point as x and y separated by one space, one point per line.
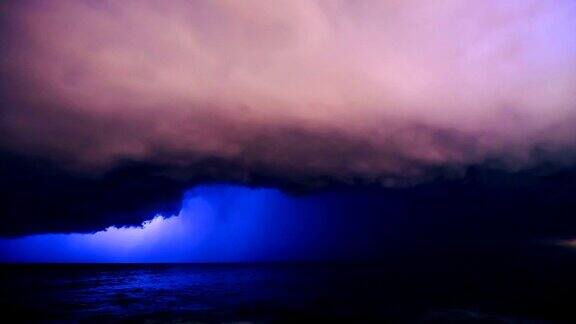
113 108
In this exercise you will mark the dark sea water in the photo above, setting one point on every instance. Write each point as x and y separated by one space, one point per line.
406 291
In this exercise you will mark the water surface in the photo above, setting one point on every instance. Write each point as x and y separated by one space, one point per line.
401 292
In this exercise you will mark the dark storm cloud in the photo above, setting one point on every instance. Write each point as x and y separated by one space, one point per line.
110 109
36 197
483 205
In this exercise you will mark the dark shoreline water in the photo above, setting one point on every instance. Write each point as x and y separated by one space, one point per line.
402 292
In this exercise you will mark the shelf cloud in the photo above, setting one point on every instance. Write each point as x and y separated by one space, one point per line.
147 97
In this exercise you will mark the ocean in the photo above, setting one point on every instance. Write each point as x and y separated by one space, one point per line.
402 292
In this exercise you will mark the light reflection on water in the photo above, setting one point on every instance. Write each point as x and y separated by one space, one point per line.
268 293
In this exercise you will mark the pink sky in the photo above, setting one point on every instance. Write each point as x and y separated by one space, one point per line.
347 89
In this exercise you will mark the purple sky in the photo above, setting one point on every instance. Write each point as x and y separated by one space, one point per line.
288 87
111 109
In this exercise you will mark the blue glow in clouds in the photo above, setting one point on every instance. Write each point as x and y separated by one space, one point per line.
217 223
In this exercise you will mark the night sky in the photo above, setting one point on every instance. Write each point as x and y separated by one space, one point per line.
240 131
